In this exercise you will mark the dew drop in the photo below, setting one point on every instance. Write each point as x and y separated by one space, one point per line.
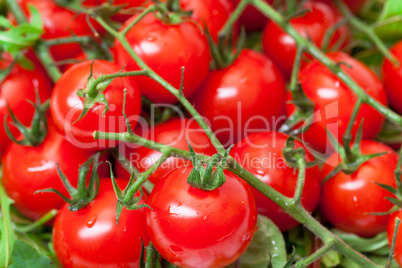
150 38
91 222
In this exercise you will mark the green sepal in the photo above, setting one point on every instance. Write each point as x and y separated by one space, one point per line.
93 93
83 194
206 178
37 132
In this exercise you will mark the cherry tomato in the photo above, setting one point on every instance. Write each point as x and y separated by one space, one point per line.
176 133
248 95
392 76
15 89
390 232
354 5
211 13
251 18
334 101
59 22
194 228
66 106
166 48
281 47
90 237
261 154
348 199
29 169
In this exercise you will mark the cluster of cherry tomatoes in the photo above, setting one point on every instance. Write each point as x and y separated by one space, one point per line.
245 101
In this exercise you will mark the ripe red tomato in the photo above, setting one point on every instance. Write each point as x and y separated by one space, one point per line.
251 18
165 48
18 87
29 169
281 47
261 154
176 133
348 200
211 13
194 228
334 101
66 106
248 95
59 22
390 232
392 77
91 238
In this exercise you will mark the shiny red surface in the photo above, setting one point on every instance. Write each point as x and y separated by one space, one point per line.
348 200
29 169
90 237
66 106
281 47
18 87
392 77
196 228
334 101
390 232
261 154
165 49
176 133
250 94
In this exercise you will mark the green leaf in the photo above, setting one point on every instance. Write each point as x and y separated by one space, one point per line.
392 11
6 230
331 259
364 245
25 256
267 245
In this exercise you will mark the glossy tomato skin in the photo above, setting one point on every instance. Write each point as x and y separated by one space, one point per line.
251 18
195 228
18 87
250 94
281 47
165 49
390 233
38 171
261 154
211 13
334 101
59 22
90 237
66 106
348 200
392 77
176 133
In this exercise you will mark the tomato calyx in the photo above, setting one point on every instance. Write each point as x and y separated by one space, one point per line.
83 194
36 133
124 198
93 93
352 158
206 178
223 53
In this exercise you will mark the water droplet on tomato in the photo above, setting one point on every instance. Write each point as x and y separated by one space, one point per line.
150 38
91 222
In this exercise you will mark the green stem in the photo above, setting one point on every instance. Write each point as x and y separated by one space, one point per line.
41 50
143 177
347 137
174 91
68 40
233 18
368 30
30 227
301 165
92 90
392 249
316 255
275 16
295 70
